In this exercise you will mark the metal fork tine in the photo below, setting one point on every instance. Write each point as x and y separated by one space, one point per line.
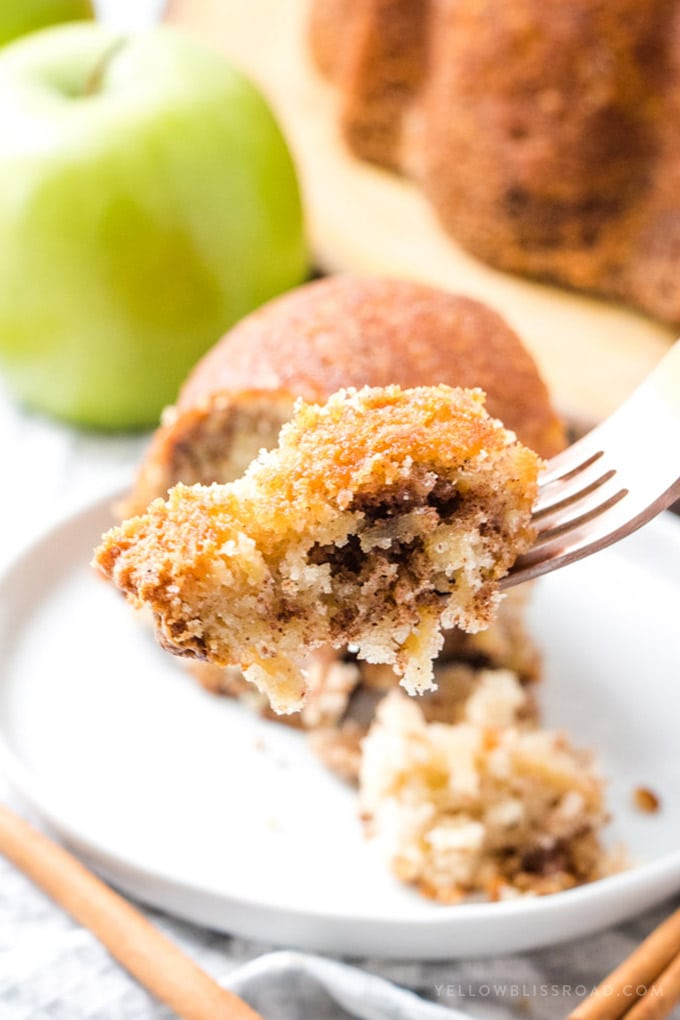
580 513
562 467
578 504
579 483
601 530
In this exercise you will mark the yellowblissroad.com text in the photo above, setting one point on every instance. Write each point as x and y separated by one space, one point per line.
531 990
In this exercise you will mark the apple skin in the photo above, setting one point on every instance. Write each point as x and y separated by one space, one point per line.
148 200
18 17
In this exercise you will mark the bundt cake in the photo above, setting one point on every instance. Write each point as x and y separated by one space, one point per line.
542 133
382 516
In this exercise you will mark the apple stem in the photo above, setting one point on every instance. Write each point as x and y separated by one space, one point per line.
95 78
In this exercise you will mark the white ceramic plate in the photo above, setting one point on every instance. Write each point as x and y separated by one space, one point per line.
192 804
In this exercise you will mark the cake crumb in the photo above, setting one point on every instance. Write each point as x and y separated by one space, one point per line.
454 813
646 800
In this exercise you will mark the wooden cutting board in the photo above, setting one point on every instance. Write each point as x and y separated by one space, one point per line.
592 353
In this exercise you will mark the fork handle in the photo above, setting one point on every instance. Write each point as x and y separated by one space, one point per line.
156 962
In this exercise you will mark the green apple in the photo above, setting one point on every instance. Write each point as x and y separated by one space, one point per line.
148 200
17 17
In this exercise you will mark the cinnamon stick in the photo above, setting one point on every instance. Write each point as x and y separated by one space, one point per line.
156 962
660 997
633 978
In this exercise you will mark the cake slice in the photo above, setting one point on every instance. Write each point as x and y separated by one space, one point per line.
382 516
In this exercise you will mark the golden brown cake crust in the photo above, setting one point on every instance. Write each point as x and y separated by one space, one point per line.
378 58
361 331
339 332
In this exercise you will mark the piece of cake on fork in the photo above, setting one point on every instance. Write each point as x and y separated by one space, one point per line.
382 516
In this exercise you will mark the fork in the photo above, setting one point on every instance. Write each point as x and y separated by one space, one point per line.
612 481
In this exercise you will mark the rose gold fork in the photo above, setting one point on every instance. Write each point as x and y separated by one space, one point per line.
612 481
